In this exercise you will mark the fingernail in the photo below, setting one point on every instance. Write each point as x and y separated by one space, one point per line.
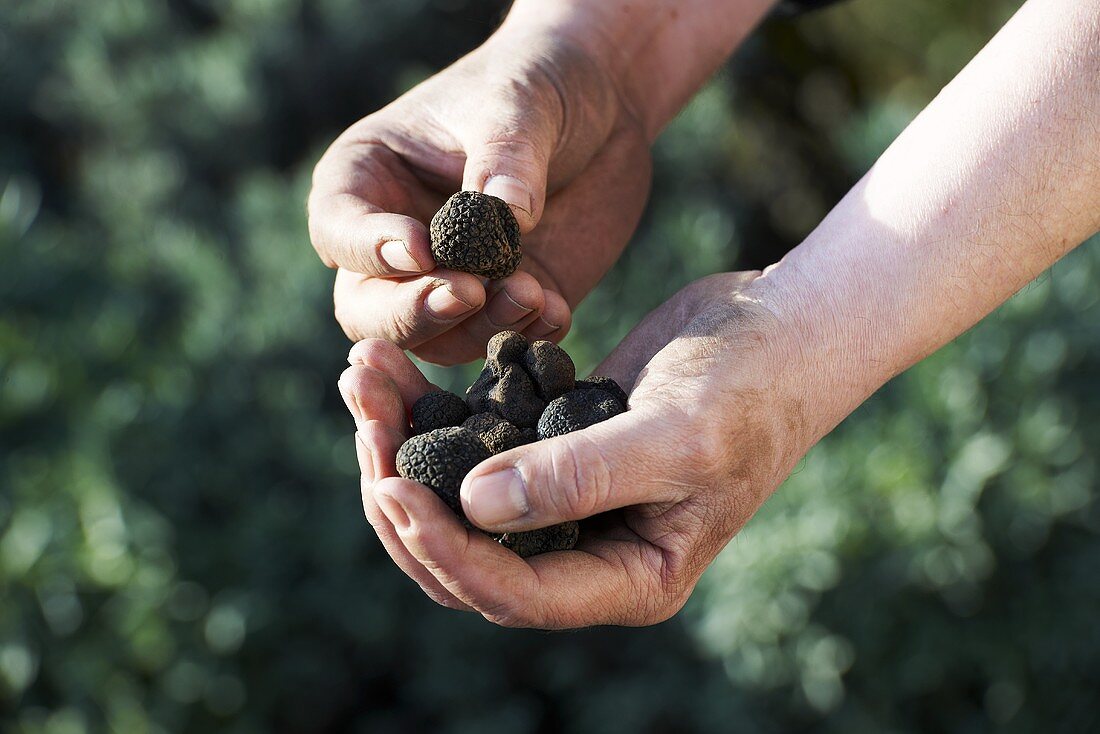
365 457
498 498
393 510
509 188
504 311
396 254
444 305
541 328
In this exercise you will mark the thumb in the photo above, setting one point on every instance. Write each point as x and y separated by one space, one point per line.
510 162
618 463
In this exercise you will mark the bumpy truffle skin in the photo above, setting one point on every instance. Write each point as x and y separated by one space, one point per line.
501 437
440 459
478 234
439 409
544 540
497 434
514 397
550 369
595 382
506 347
481 422
577 410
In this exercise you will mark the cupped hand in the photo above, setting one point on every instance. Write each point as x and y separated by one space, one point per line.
529 118
716 421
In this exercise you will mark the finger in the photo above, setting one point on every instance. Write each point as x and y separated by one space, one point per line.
612 582
620 462
509 160
349 232
554 321
549 318
372 396
391 360
512 303
409 311
375 447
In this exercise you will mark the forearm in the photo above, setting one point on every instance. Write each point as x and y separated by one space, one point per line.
995 181
659 52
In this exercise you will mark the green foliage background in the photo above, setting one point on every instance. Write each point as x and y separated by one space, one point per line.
181 542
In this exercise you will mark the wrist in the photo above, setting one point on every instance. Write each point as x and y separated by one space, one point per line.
656 54
827 353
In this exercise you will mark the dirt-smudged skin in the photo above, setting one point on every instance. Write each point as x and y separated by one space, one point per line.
439 409
440 459
478 234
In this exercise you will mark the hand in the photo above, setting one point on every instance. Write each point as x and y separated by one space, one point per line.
710 433
528 117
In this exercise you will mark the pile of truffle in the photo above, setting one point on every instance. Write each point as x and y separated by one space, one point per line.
526 392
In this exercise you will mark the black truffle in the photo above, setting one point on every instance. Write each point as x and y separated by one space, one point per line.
440 459
481 422
544 540
550 368
513 397
477 394
506 347
497 434
478 234
576 410
602 383
439 409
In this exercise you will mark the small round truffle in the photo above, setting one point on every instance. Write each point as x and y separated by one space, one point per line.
550 369
506 347
514 397
577 410
478 234
544 540
440 459
497 434
439 409
501 437
596 382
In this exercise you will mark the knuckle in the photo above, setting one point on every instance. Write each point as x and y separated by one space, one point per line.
373 352
401 326
317 238
346 318
581 484
442 598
